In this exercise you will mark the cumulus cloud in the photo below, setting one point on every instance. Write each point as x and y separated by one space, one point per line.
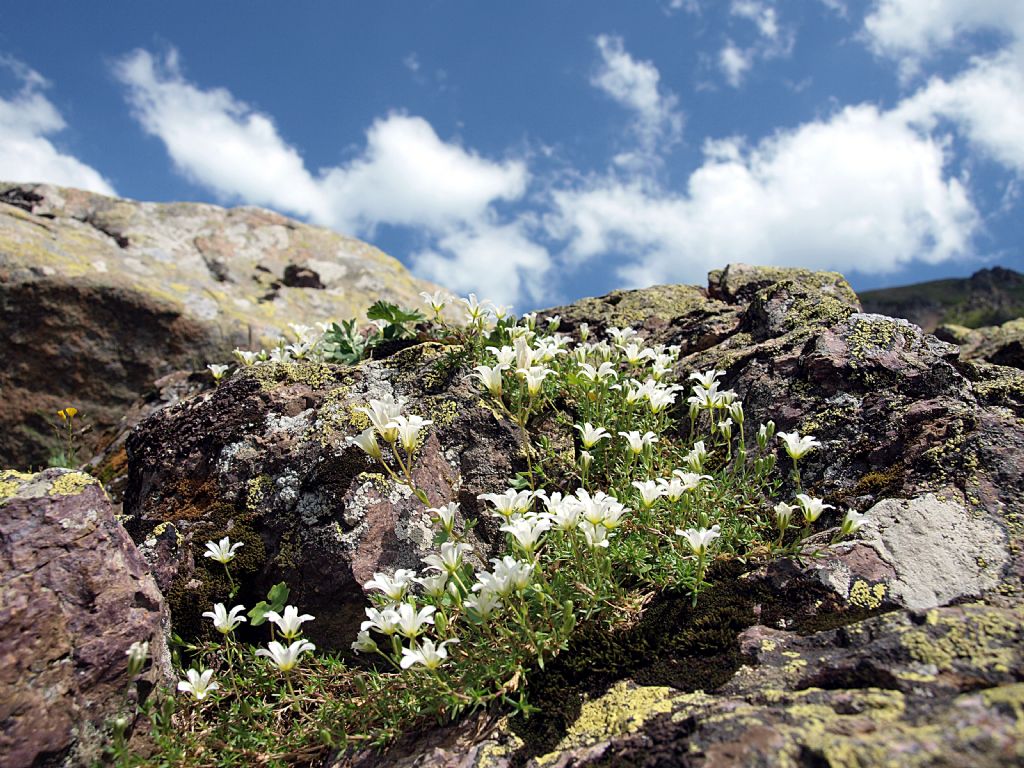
734 63
635 85
860 191
918 29
772 41
27 153
406 175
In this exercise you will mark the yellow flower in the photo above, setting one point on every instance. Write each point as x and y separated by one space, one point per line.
68 413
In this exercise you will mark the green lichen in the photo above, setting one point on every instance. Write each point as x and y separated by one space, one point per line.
808 311
71 484
273 375
869 335
865 595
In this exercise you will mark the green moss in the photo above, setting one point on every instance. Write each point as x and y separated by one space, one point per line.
882 482
71 484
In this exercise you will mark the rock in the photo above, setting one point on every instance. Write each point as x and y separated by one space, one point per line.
998 344
264 459
75 595
852 650
100 296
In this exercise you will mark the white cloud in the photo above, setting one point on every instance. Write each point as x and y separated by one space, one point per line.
773 41
918 29
734 63
761 14
500 262
635 85
26 154
405 176
860 191
986 103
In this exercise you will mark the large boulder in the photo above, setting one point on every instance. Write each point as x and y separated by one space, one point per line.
912 625
100 296
74 595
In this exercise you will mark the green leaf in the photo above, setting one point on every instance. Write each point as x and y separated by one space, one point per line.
278 596
258 613
393 314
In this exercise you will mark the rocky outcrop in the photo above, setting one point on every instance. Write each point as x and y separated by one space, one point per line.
74 595
876 646
998 344
100 296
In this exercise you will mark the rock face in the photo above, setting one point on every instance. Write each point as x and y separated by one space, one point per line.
264 460
74 595
878 647
101 296
988 297
999 344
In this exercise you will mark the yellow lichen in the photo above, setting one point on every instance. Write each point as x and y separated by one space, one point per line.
864 595
71 484
622 710
970 639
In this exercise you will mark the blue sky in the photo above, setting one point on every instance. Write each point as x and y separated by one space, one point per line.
542 150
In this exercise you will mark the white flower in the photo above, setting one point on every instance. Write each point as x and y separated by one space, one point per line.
285 659
605 371
765 433
510 502
218 371
137 654
636 354
527 531
475 310
591 435
385 622
411 621
783 514
596 535
660 399
700 539
505 356
484 604
621 337
409 428
364 643
852 522
517 573
290 625
534 376
600 509
585 459
429 655
381 413
563 513
450 558
736 412
367 440
222 551
446 514
797 447
812 507
244 357
725 427
433 584
199 684
650 491
301 331
696 457
392 586
584 331
225 621
490 378
436 301
638 442
706 379
680 483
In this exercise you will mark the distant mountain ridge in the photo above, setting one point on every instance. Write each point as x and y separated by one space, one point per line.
988 297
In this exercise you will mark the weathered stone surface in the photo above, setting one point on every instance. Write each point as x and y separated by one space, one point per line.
930 446
264 460
999 344
74 595
101 296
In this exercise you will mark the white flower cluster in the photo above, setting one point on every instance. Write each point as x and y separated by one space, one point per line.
388 422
